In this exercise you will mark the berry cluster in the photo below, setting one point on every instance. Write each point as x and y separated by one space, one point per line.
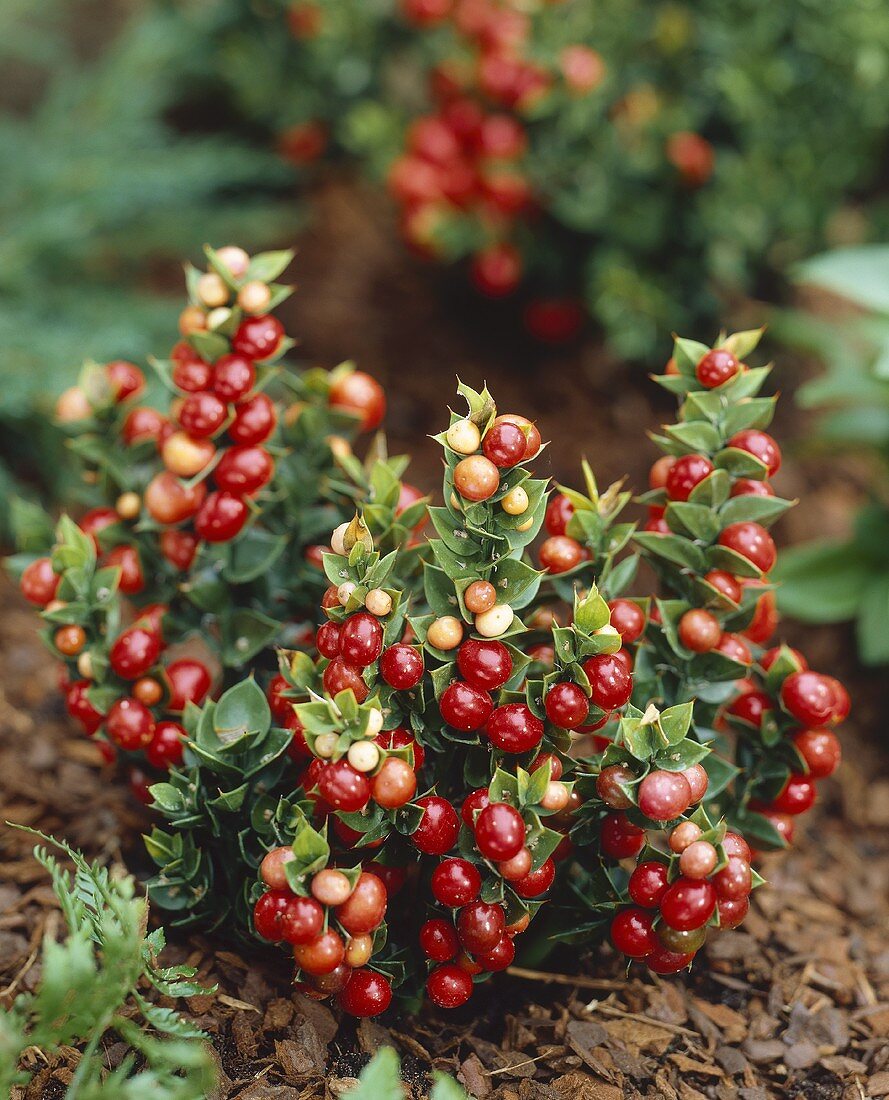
463 180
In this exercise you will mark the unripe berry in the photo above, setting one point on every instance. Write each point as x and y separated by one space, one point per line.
211 289
330 887
698 859
515 502
445 633
272 867
337 545
254 297
235 259
476 478
479 597
378 602
699 631
463 437
495 621
664 795
128 505
363 756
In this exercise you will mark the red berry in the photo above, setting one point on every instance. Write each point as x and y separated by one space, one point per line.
648 883
724 583
179 548
663 961
611 786
344 788
165 749
268 912
536 882
504 444
361 639
233 377
664 795
716 368
254 420
513 728
499 832
749 487
129 724
438 939
809 697
125 379
796 796
486 665
480 926
842 704
192 374
327 640
820 750
698 781
733 647
126 559
496 271
322 955
761 446
189 681
685 474
657 475
364 909
688 904
465 707
732 911
628 619
567 705
258 337
361 396
455 882
448 986
750 707
244 470
558 512
699 631
221 517
474 802
39 583
398 739
341 676
529 430
202 414
401 666
96 520
560 553
302 920
632 933
620 838
134 652
735 845
142 424
80 708
751 541
734 880
499 957
438 828
367 993
610 682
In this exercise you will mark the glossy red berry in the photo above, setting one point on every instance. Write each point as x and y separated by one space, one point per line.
268 912
685 474
716 368
486 665
437 832
648 883
342 676
165 749
734 880
189 682
500 957
448 986
560 553
344 788
499 832
699 630
504 444
364 909
134 652
244 470
725 584
750 707
438 939
361 639
472 805
142 424
398 739
536 882
664 795
632 933
233 377
698 781
465 707
513 728
361 396
663 961
797 796
322 955
628 619
688 904
567 705
39 583
301 921
761 446
258 337
327 640
751 541
612 785
732 911
480 926
455 882
619 838
129 724
558 513
221 517
401 666
254 420
809 697
610 683
125 379
202 414
80 708
820 750
367 993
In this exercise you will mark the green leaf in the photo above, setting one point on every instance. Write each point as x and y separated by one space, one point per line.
871 629
823 581
446 1088
380 1079
242 709
860 274
675 722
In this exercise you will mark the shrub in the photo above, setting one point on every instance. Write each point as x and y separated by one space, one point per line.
462 749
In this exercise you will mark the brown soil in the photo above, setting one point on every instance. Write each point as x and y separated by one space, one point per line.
796 1004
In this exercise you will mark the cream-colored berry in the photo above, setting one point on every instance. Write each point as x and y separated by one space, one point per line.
331 887
185 456
374 723
212 291
363 756
555 797
445 633
73 405
344 592
455 502
527 525
337 543
85 665
339 447
254 297
493 623
216 318
359 950
128 505
325 745
378 602
515 502
607 631
235 259
464 437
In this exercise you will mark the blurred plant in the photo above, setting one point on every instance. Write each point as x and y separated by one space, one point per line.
837 580
99 190
381 1080
90 985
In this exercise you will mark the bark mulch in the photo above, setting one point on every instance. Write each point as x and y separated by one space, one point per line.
795 1004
